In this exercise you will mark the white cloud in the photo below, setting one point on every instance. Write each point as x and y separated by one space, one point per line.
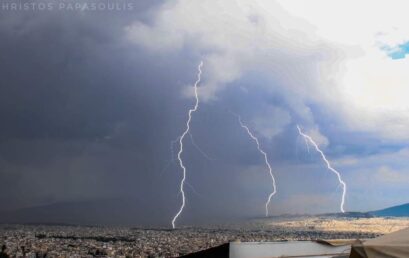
232 37
322 52
271 121
373 88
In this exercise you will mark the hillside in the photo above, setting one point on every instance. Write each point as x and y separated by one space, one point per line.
395 211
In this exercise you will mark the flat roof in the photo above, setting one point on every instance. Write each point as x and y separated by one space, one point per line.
309 249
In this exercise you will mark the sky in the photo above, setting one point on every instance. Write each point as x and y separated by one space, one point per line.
91 100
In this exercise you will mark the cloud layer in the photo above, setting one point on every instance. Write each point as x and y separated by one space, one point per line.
90 102
310 56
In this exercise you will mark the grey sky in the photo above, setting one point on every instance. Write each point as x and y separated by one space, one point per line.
90 101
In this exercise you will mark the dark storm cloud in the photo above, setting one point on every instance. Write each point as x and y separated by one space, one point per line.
86 115
72 91
63 75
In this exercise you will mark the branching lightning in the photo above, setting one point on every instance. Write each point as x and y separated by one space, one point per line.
306 144
172 150
245 127
179 156
324 158
172 156
192 140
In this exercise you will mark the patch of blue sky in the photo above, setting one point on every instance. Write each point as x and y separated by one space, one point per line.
398 52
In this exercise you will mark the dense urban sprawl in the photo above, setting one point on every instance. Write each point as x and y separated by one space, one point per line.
79 241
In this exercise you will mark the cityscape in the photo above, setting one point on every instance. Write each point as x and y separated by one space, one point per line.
93 241
66 241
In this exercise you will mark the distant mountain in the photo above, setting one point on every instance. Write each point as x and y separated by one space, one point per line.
126 212
134 212
395 211
349 214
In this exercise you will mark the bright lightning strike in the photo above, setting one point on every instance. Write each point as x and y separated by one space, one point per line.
179 156
265 160
344 187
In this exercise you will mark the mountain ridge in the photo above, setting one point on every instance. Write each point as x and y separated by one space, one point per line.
134 212
401 210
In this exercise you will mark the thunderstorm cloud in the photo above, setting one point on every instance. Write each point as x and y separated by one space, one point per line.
90 102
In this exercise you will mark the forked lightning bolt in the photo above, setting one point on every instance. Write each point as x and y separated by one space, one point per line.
182 136
265 160
324 158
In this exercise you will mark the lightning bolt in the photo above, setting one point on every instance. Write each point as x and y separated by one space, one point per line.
324 158
172 150
182 136
270 171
